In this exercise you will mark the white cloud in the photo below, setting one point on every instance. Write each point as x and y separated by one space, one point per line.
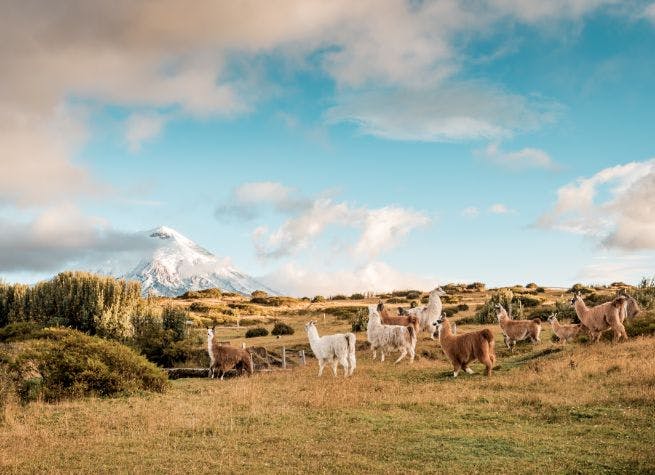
384 229
649 12
60 237
520 159
442 112
293 279
499 208
471 212
612 267
614 206
141 128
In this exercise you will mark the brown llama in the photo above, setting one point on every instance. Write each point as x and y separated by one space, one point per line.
403 319
632 308
463 349
517 330
564 333
224 358
603 317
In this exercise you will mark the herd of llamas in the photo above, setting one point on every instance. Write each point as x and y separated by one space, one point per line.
389 333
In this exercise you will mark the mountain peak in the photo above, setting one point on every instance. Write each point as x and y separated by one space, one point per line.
177 264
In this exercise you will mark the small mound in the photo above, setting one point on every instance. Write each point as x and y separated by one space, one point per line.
55 363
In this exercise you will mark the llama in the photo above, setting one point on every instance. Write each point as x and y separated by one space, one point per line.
517 330
564 333
430 313
403 319
603 317
390 337
463 349
631 308
224 358
332 349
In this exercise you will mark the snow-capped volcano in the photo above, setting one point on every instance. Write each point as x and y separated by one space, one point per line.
178 264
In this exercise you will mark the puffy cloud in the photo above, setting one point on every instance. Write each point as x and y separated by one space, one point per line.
442 112
61 237
308 219
499 208
649 12
613 206
520 159
293 279
141 128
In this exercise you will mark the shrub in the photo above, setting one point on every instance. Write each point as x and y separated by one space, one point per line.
281 328
357 297
20 331
212 293
540 290
359 321
487 314
527 301
397 300
448 299
199 307
257 331
580 288
174 319
343 313
413 294
413 304
425 299
645 293
450 311
65 363
476 287
318 298
531 285
259 294
339 297
462 307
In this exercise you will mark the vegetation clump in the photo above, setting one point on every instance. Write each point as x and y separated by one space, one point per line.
58 363
281 328
257 331
357 297
359 320
212 293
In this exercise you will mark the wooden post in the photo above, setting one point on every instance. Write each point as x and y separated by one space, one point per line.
323 317
284 357
302 357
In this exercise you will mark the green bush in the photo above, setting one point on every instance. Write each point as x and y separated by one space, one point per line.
20 331
259 294
281 328
174 319
359 321
645 293
527 301
450 311
339 297
212 293
199 307
318 298
65 363
413 295
476 286
357 297
487 314
540 290
257 331
462 307
583 289
343 313
531 285
397 300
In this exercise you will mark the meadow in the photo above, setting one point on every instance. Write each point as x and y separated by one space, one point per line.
548 407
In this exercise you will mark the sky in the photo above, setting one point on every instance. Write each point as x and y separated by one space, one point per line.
332 147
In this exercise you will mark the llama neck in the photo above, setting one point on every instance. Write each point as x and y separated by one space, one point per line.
581 309
312 334
434 302
555 324
445 333
210 342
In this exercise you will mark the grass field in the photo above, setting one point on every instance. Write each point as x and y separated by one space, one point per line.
547 408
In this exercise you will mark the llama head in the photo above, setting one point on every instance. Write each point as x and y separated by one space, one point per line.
372 312
576 296
552 317
438 292
309 325
500 311
210 332
380 306
440 322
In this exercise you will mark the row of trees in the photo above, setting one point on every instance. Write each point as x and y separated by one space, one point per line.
98 305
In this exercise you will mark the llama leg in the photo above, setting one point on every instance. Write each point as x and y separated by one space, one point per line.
468 370
321 364
382 356
456 368
344 363
352 363
375 353
403 353
412 354
507 342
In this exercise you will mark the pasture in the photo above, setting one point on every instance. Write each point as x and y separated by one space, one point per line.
547 408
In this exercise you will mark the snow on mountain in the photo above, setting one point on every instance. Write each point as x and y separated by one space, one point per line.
178 264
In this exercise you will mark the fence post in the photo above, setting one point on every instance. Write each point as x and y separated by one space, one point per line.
284 357
302 357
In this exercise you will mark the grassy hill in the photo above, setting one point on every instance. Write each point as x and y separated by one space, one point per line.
547 408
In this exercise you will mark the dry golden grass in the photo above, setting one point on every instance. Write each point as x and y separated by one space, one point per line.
547 408
536 414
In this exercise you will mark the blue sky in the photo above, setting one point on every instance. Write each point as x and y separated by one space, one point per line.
335 148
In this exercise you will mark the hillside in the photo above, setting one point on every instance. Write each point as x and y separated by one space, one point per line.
548 407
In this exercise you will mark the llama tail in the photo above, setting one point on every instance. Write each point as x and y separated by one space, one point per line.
537 321
489 336
412 334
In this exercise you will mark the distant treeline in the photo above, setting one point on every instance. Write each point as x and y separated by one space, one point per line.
98 305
